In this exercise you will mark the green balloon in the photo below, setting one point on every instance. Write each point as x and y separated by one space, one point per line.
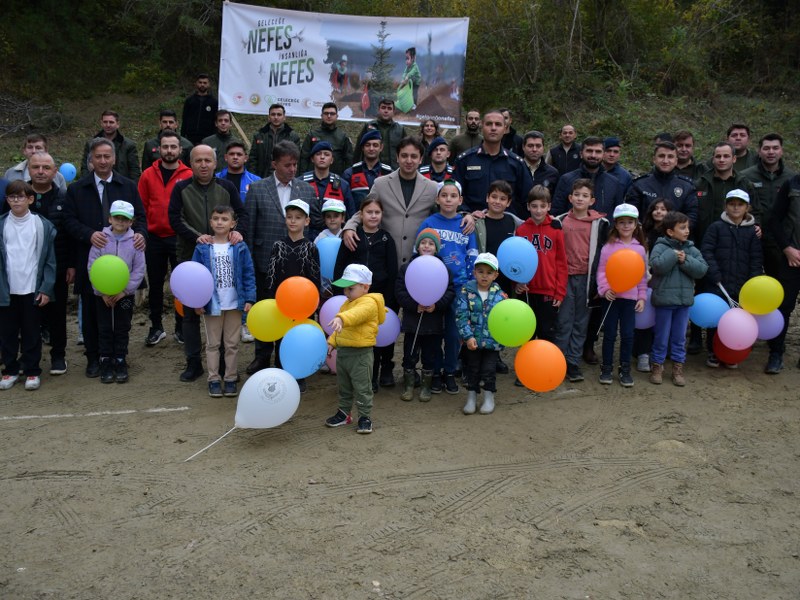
109 274
512 322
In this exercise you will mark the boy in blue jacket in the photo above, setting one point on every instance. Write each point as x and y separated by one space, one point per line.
234 293
474 302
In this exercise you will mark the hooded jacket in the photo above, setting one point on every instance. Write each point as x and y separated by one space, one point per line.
637 292
46 271
733 253
472 314
361 318
550 278
598 237
155 196
123 248
672 282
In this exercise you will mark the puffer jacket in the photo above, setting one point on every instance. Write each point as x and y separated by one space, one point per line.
361 318
733 253
472 314
673 283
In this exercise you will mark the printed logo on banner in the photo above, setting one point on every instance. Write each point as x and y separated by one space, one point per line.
255 99
238 98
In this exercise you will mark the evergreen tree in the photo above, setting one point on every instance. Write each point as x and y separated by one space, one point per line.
381 70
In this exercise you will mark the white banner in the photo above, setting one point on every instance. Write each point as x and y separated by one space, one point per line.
302 60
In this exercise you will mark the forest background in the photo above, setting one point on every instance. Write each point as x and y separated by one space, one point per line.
629 68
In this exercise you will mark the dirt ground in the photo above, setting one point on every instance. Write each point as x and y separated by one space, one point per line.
585 492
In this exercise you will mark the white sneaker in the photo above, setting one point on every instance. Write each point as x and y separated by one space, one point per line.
643 363
8 381
33 382
247 337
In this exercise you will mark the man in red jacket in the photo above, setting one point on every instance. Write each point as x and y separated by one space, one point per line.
155 188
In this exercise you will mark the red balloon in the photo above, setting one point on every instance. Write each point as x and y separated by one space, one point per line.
728 356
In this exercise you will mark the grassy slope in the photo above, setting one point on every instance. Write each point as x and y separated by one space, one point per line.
635 120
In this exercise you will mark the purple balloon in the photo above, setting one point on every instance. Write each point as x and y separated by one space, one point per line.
192 284
770 325
426 279
329 310
388 330
647 318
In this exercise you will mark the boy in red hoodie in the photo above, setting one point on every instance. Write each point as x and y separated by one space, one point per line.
545 292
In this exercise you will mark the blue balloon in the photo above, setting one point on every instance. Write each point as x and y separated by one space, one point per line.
707 310
303 350
518 259
69 171
328 251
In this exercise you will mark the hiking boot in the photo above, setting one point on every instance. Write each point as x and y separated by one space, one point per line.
435 386
625 379
677 374
215 389
106 370
387 375
194 369
487 407
574 373
774 364
606 374
501 368
229 389
32 382
643 363
656 373
408 385
450 385
58 366
154 336
712 360
120 370
427 386
339 419
364 425
472 402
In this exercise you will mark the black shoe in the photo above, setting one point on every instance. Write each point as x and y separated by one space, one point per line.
574 373
589 357
156 335
436 384
364 425
450 385
518 383
215 389
121 370
178 335
93 368
501 368
387 377
258 363
229 389
58 366
194 369
339 419
774 364
106 371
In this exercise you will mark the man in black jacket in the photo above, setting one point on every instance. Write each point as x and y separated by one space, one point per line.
566 156
199 111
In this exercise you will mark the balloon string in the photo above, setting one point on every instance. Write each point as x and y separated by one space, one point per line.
731 301
414 342
211 444
599 329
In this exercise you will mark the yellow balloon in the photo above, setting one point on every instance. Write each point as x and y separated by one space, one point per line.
309 322
266 322
761 295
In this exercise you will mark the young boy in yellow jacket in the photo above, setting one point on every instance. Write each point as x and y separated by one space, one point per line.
355 328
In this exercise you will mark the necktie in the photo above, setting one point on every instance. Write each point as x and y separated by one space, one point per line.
104 199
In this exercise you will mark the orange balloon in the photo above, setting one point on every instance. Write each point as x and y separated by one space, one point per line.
540 365
297 298
178 307
624 270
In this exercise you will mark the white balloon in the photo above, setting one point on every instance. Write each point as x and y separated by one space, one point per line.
267 399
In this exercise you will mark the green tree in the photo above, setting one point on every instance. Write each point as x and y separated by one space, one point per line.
381 82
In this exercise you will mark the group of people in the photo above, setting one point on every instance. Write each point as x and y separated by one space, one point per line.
253 219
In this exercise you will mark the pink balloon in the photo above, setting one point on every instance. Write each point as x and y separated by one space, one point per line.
770 325
192 284
737 329
329 310
426 279
330 360
388 330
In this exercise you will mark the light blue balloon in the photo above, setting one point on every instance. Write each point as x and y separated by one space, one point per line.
303 350
518 259
328 251
707 310
69 171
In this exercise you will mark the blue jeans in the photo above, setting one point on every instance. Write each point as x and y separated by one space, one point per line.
448 360
670 333
621 315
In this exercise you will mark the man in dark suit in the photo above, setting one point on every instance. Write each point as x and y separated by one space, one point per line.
85 214
265 203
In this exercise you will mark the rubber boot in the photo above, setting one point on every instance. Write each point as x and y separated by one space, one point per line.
656 373
677 374
408 385
487 407
472 402
425 392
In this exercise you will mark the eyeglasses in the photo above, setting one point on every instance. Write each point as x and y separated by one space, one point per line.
16 198
329 113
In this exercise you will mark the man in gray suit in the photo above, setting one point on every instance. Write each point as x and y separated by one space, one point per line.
265 201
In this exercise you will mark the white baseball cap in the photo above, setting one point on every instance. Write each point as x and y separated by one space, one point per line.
738 194
333 206
487 258
120 208
301 204
354 274
626 210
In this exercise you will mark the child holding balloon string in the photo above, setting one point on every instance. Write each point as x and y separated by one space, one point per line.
732 249
115 311
377 250
234 293
675 263
621 304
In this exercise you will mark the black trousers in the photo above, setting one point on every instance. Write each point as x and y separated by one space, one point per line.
546 316
54 317
114 327
426 345
21 336
160 256
481 364
790 280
